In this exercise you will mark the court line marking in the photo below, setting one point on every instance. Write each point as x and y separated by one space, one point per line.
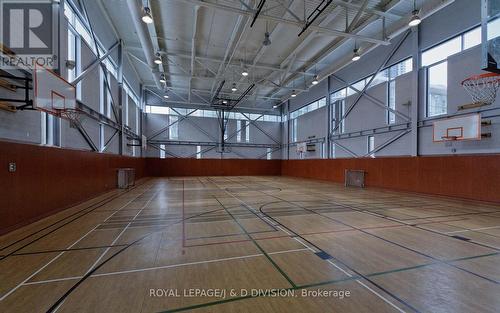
122 232
329 261
113 195
59 255
43 267
162 267
472 229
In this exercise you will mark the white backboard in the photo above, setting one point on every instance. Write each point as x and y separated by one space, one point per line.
467 127
52 92
301 147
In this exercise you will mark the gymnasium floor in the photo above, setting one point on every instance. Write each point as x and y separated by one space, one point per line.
275 238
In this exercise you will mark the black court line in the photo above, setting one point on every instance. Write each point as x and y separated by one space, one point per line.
344 264
401 221
112 197
243 204
330 282
56 304
68 250
61 226
397 244
280 270
232 235
392 242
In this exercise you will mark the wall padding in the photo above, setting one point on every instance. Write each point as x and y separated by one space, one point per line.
472 176
48 180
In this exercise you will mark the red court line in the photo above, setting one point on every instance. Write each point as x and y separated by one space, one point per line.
183 218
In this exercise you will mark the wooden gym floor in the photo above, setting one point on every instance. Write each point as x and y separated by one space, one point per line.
256 244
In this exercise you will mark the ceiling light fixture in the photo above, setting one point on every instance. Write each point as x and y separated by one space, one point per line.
166 96
146 15
356 56
233 89
244 72
158 59
162 79
275 106
293 95
267 40
315 80
224 101
415 19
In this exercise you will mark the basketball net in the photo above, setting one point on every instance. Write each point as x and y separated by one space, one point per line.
73 116
482 88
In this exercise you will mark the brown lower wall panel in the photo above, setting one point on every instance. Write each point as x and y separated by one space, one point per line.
211 167
49 179
472 177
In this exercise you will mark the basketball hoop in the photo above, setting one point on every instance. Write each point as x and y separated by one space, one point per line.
482 88
72 115
449 138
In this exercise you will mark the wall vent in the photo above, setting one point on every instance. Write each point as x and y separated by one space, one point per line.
355 178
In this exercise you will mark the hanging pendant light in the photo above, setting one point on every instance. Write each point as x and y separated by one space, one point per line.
415 19
146 15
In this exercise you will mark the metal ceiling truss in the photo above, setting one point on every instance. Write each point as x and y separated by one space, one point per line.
202 106
336 43
202 59
315 14
323 30
257 12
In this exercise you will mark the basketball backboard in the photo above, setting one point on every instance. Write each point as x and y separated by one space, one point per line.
53 93
467 127
490 30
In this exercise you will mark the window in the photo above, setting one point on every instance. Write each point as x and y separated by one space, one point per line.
51 130
308 108
209 113
137 120
173 130
455 45
238 131
341 114
247 131
472 38
442 51
358 85
294 130
198 152
269 154
391 117
493 29
371 146
162 151
101 138
437 82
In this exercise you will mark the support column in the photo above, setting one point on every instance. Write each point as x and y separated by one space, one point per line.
415 91
120 99
328 117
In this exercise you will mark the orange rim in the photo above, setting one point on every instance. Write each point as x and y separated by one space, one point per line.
485 75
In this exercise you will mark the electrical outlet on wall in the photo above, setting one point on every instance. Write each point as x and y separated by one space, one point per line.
12 167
